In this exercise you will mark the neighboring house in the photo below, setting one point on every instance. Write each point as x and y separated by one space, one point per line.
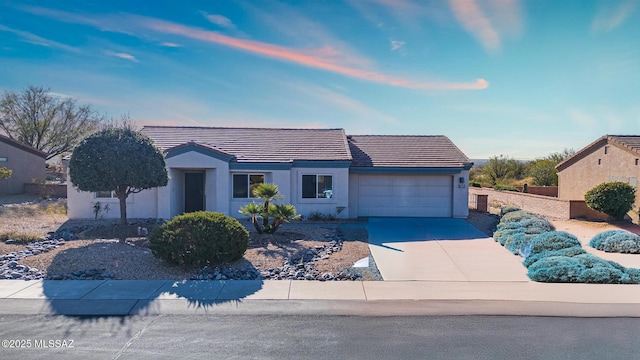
27 163
608 159
316 170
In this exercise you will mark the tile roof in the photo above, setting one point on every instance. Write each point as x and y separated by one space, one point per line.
257 144
630 143
405 151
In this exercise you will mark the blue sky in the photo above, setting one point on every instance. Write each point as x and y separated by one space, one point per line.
520 78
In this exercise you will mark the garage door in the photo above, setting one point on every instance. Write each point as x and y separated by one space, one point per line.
405 195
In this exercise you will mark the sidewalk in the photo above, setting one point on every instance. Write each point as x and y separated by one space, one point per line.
370 298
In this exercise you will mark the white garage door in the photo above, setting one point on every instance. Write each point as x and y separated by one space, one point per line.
405 195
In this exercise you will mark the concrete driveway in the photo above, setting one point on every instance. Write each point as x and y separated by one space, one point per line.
439 249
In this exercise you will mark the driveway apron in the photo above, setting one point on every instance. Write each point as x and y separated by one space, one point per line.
439 249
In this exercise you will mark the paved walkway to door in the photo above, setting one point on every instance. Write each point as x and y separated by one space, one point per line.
439 249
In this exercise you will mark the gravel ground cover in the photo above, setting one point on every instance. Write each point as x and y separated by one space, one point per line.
99 249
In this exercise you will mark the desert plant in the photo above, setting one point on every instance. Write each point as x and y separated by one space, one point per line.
200 238
261 213
553 240
568 252
584 268
5 173
614 199
616 241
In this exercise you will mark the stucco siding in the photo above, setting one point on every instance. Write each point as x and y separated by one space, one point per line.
25 165
340 180
597 168
281 178
81 205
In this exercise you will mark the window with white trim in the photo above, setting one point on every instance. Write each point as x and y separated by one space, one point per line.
243 185
105 194
317 186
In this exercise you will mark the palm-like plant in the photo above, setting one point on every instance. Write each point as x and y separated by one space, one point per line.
281 213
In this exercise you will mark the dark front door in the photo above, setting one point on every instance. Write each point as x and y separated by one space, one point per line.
193 191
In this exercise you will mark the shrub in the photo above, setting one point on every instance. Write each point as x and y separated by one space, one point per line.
200 238
537 223
474 184
568 252
556 269
260 213
553 240
507 209
583 268
516 215
518 241
614 199
616 241
597 240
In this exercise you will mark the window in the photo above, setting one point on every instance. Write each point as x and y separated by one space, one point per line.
637 162
105 194
317 187
606 150
3 159
243 184
599 161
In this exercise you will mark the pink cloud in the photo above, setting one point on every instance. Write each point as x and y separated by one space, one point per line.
320 59
472 18
326 58
219 20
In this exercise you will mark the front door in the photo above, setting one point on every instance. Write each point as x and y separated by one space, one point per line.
193 191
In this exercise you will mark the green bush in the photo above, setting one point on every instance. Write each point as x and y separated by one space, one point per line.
620 241
614 199
200 238
475 184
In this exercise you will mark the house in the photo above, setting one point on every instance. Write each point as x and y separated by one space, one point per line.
316 170
608 159
26 162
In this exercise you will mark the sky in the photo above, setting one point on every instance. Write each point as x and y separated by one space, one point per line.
513 77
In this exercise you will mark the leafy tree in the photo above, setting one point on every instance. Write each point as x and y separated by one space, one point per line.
543 171
280 213
120 160
614 199
46 122
501 168
5 173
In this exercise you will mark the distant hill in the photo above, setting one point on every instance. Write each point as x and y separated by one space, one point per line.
479 162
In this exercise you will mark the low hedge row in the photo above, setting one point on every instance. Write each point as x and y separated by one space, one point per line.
619 241
557 256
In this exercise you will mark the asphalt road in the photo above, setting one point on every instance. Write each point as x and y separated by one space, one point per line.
318 337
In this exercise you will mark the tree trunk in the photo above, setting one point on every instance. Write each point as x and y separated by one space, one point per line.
122 196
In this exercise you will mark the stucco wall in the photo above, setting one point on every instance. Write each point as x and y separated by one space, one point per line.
597 168
537 204
325 206
80 205
26 166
